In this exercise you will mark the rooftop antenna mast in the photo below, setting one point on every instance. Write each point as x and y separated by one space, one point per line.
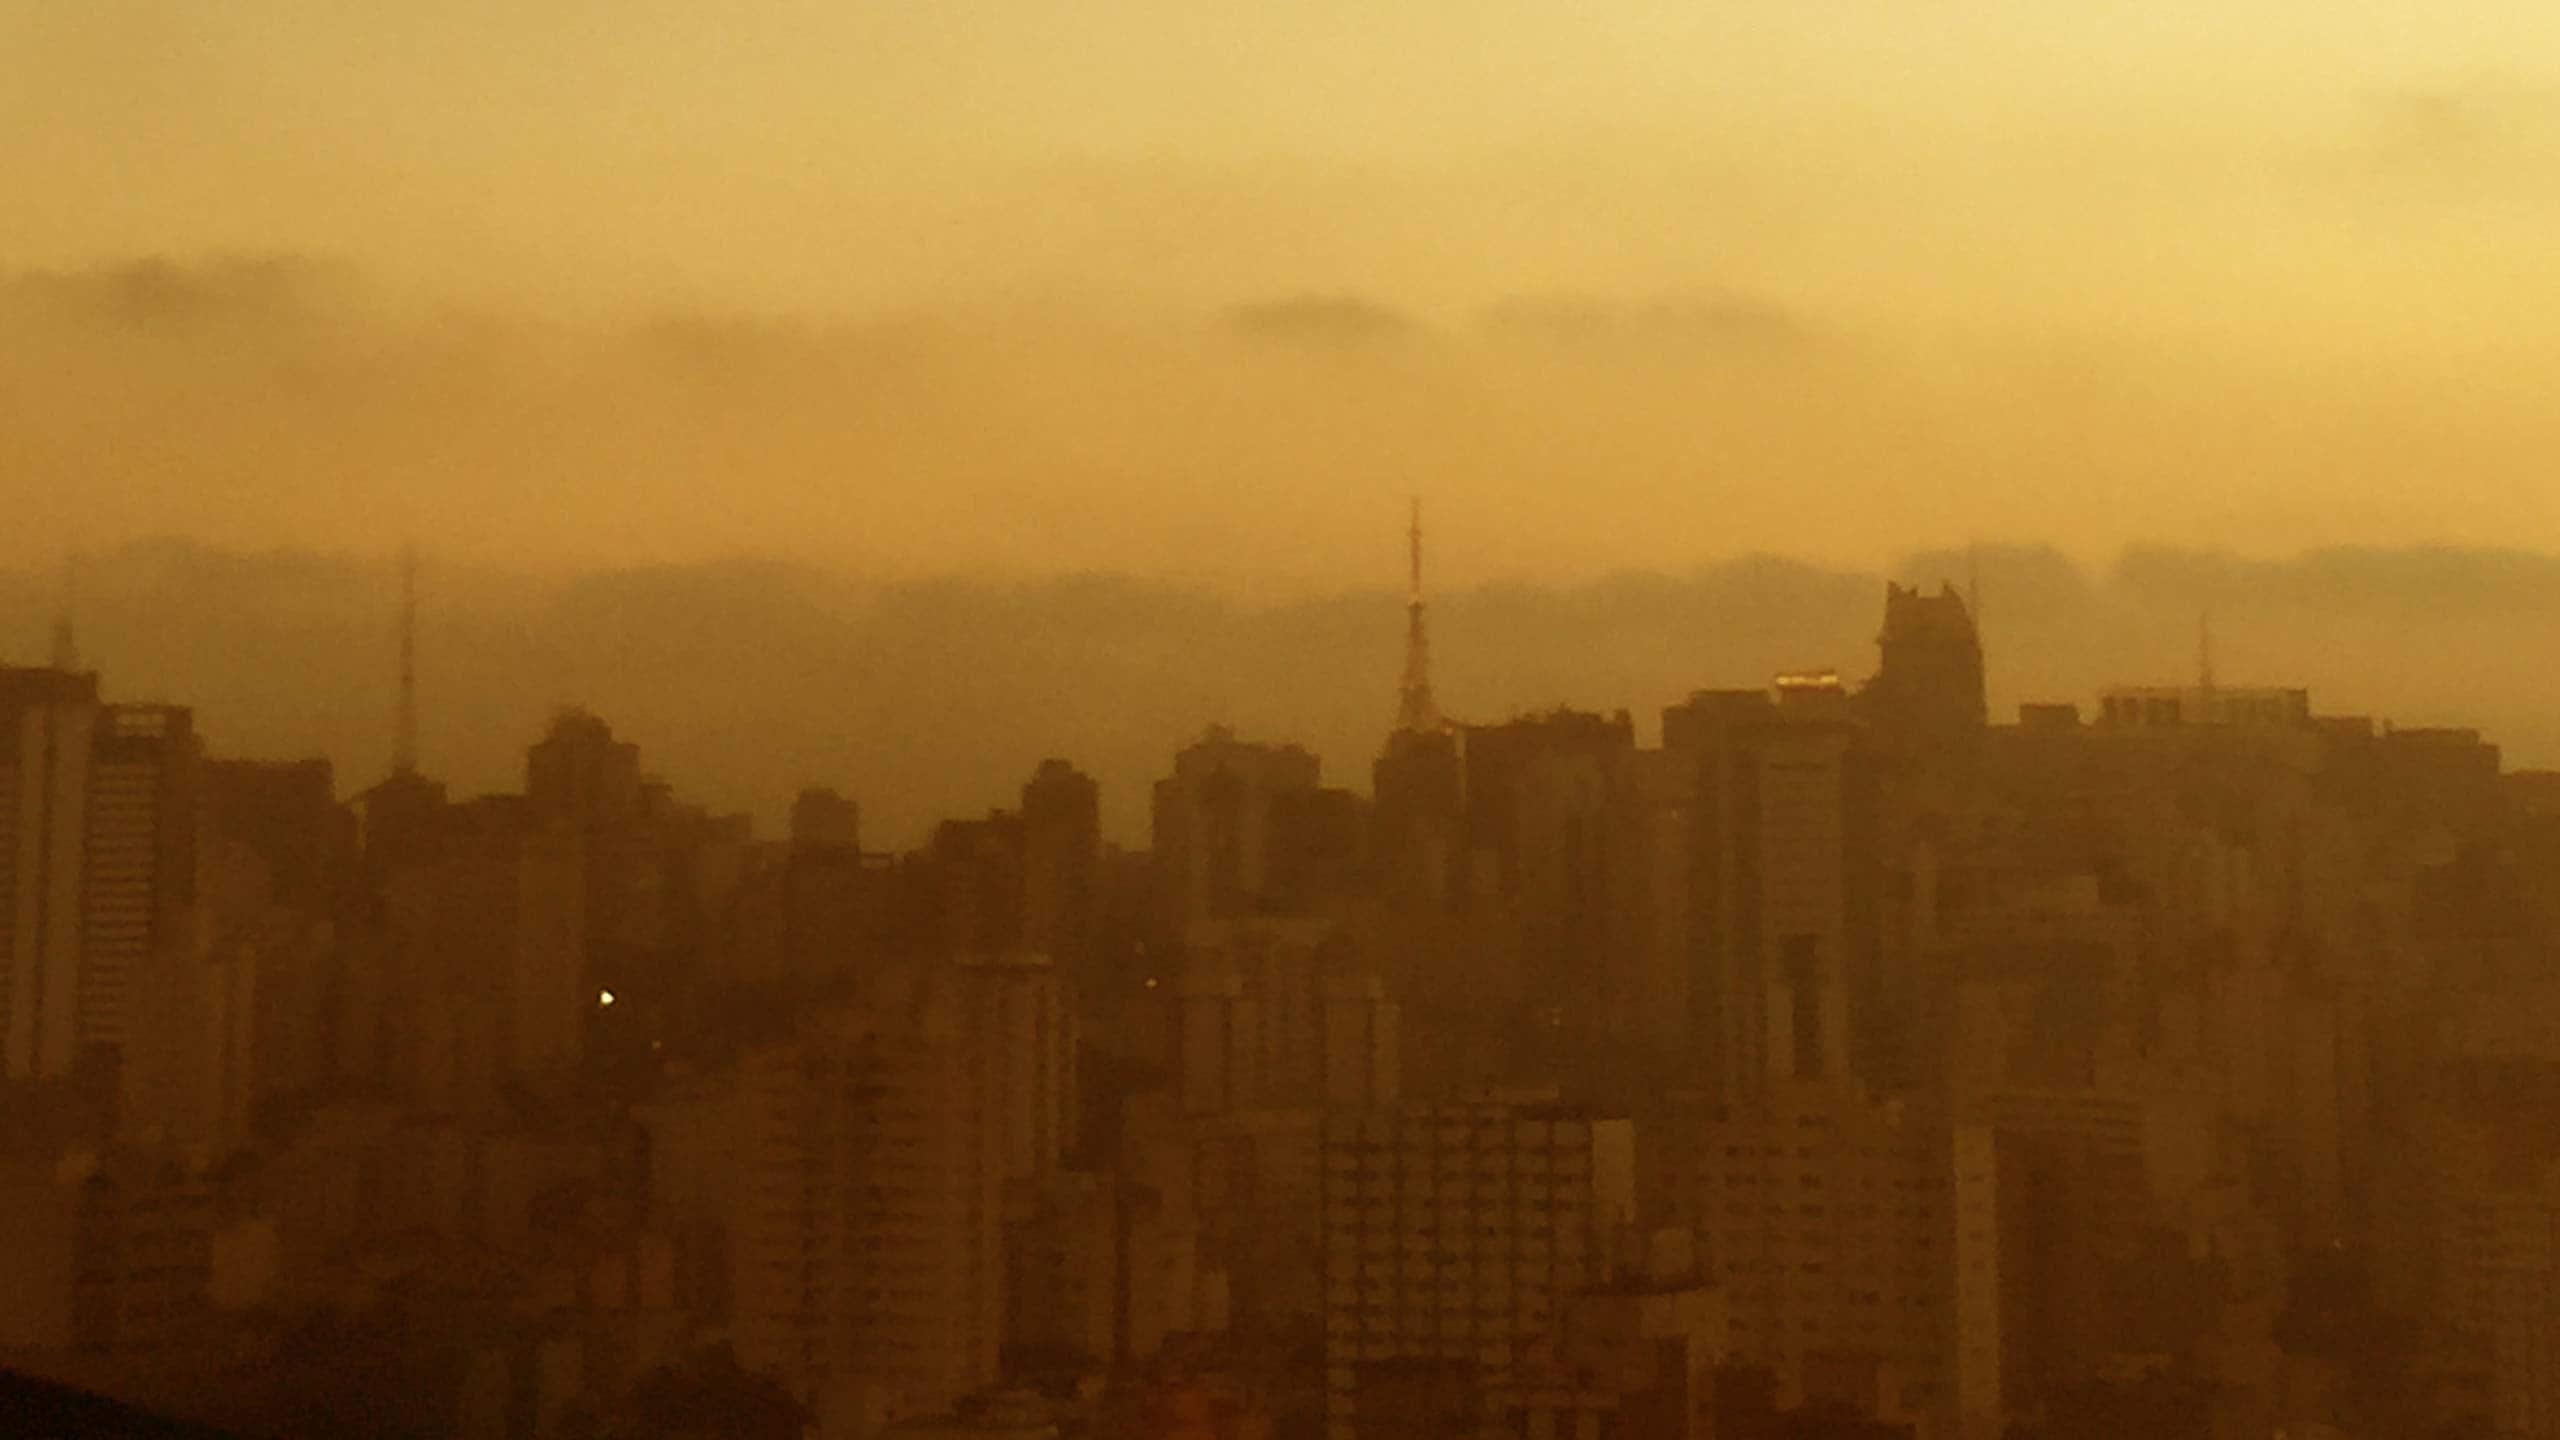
66 648
1416 711
404 748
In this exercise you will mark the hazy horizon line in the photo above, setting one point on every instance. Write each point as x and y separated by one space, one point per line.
2126 560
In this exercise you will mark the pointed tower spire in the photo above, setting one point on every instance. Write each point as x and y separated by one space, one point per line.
404 747
1415 710
66 648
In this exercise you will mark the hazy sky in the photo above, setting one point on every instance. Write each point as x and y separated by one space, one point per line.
1200 289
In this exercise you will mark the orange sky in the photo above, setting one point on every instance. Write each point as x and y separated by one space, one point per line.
1617 284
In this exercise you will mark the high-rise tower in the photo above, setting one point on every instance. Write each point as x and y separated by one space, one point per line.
866 1241
1416 712
1929 688
97 863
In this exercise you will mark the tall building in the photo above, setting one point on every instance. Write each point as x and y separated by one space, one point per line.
1217 1050
285 962
974 873
98 837
1857 1243
1419 817
1456 1236
1062 854
866 1257
399 817
813 909
1247 1187
822 819
1213 823
1510 765
486 941
1278 1012
583 784
578 774
277 873
1774 854
1637 997
1318 851
2476 1228
1021 1018
2075 1198
1363 1066
287 814
1929 687
108 1252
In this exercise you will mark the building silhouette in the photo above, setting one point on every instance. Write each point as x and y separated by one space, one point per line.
1928 688
1214 821
101 805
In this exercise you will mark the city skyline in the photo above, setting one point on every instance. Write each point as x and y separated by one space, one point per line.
1455 720
507 645
1837 1053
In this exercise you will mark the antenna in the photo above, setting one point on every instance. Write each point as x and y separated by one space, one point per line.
1414 593
66 649
1416 711
404 747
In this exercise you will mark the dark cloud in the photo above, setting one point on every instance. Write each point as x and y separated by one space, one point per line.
2419 582
2032 578
157 293
1320 320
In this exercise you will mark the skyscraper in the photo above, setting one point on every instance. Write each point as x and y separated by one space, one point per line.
1456 1235
1213 823
1771 918
822 819
1929 686
579 774
1513 767
1020 1018
97 862
1856 1242
1062 847
866 1253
